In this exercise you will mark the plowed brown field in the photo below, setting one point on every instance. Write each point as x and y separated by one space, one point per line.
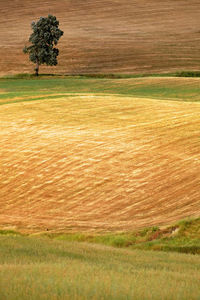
102 36
98 163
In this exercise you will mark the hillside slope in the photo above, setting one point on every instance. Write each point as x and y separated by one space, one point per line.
96 161
106 35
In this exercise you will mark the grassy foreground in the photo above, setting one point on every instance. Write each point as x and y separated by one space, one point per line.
41 268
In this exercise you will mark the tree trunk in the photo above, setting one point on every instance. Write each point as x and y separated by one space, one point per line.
37 68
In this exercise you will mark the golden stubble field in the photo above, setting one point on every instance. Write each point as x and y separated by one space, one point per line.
129 36
92 162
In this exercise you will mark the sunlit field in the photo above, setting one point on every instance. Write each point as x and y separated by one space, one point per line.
98 154
87 162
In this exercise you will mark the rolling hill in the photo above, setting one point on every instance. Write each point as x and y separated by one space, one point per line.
107 36
77 156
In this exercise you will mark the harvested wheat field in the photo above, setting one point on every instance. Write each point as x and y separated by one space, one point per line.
106 36
89 161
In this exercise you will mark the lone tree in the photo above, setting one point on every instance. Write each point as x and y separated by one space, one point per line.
43 40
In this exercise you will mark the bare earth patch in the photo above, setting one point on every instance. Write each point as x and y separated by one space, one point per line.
129 36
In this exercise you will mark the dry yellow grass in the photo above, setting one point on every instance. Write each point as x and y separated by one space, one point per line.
106 36
98 163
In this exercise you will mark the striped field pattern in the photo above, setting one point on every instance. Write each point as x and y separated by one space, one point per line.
106 36
98 162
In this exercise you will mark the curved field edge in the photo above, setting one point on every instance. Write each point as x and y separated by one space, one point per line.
182 237
161 88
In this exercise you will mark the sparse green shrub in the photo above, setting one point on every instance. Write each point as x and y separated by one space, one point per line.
9 232
188 74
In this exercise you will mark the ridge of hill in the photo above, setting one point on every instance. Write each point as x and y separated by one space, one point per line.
99 154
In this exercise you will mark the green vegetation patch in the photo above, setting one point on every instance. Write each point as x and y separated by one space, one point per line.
42 268
9 232
182 237
170 88
185 73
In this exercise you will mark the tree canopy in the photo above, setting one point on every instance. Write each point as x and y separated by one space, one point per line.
43 39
